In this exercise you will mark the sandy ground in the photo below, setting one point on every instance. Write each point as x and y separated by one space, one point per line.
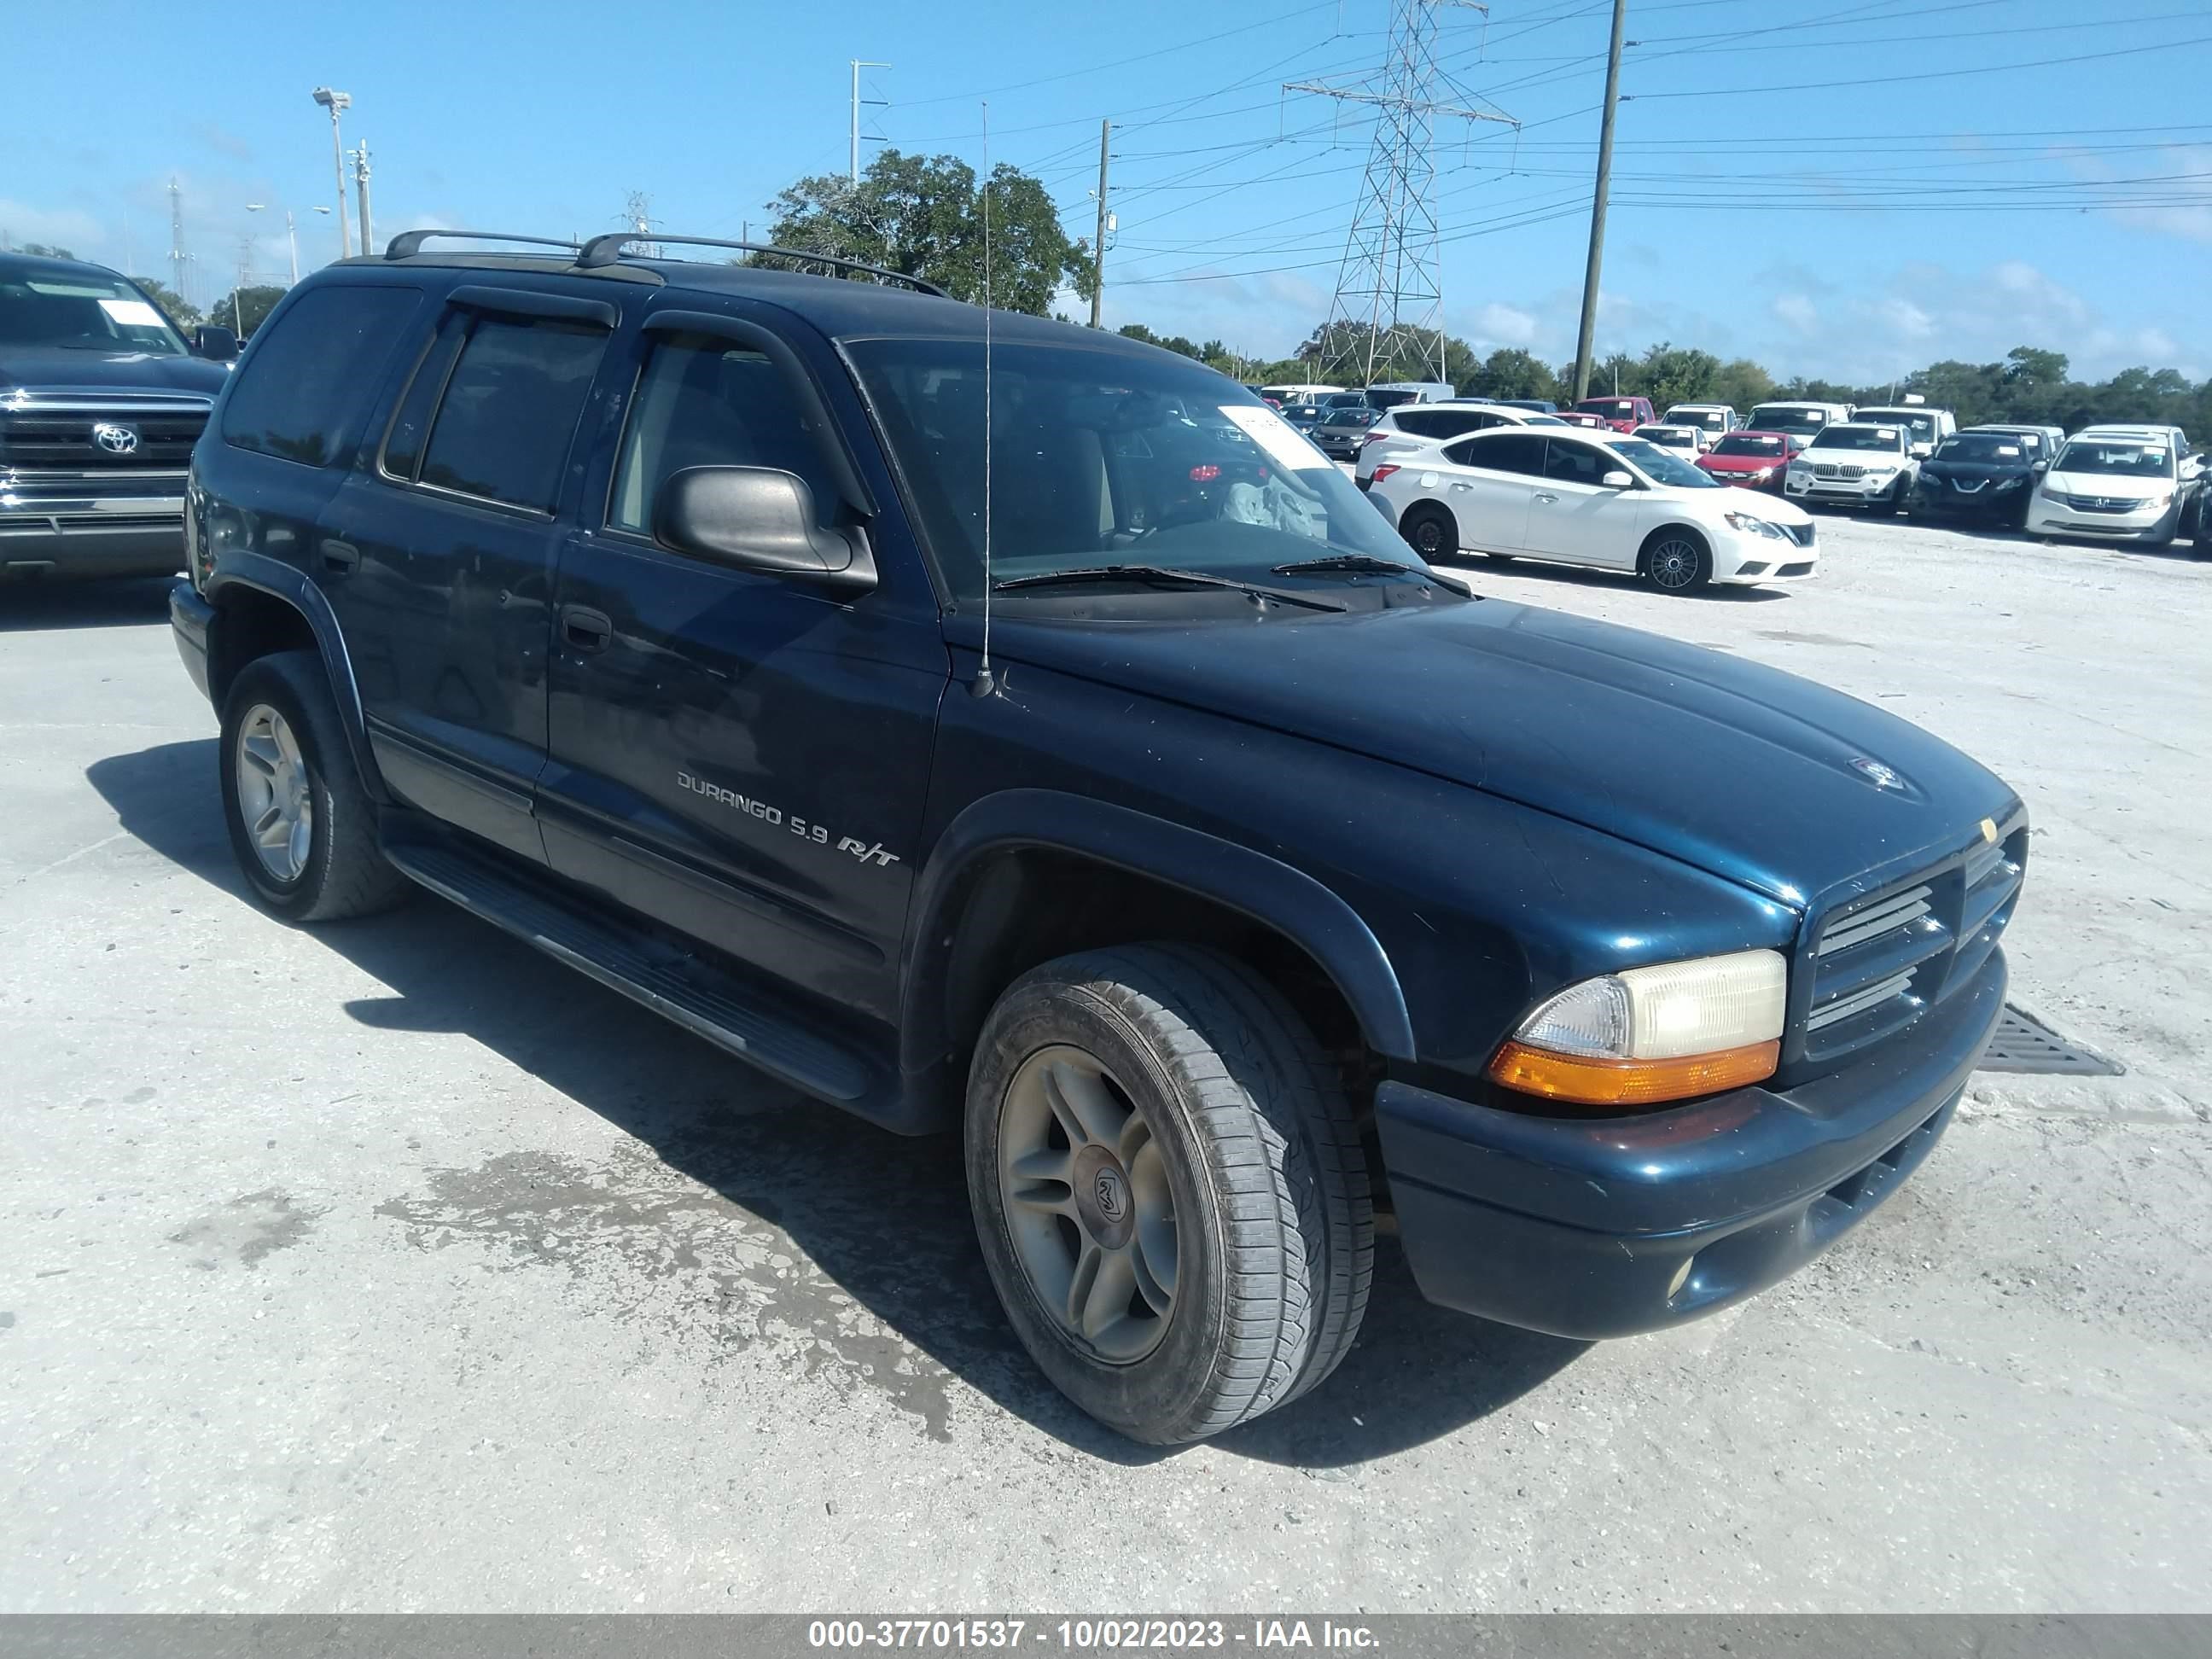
394 1267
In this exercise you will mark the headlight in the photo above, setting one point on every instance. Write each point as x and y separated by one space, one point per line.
2048 494
2008 484
1648 1036
2156 503
1752 525
1876 474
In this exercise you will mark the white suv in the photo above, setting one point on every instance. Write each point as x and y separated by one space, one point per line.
1411 426
1855 465
2118 484
1611 502
1715 421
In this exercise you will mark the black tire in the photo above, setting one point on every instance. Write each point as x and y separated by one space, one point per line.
343 872
1274 1216
1900 497
1430 531
1675 559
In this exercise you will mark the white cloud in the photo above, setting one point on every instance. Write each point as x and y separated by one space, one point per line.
1496 325
1798 311
68 228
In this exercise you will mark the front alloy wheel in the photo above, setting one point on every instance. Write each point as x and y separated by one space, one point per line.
1675 563
275 795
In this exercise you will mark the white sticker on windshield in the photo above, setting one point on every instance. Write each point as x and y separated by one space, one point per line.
1886 433
2007 452
1278 437
132 314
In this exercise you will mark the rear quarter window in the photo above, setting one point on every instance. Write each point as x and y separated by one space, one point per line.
302 393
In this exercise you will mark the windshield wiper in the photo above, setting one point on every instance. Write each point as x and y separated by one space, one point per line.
1358 562
1154 572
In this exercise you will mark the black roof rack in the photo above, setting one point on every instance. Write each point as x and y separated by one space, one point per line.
606 250
409 243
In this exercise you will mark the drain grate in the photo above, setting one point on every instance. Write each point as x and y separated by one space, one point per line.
2025 1044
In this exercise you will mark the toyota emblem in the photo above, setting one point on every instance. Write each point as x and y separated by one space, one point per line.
115 437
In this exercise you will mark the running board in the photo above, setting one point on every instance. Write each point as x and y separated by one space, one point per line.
704 1000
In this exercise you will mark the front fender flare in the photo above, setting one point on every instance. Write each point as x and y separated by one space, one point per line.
1272 893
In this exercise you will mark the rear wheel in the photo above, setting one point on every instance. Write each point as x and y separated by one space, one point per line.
1168 1188
1430 530
1676 561
301 823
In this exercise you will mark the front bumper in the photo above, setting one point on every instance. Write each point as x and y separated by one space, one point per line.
2046 518
1769 483
1945 500
1593 1228
1740 557
1843 492
49 533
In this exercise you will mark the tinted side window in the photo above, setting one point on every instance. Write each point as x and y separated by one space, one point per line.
1426 424
704 402
1573 462
410 422
510 408
301 393
1511 451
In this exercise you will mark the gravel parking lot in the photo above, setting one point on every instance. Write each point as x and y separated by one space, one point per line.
394 1267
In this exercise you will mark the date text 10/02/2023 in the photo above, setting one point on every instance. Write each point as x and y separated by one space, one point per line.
1086 1635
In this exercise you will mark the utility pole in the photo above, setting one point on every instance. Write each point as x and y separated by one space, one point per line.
177 255
361 184
1586 338
1388 304
238 293
335 102
1098 260
638 215
860 64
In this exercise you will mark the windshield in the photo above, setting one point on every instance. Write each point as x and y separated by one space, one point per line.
1765 446
1882 439
1664 466
2126 458
1618 409
1988 448
1710 420
1920 424
1098 458
1673 437
1784 417
86 310
1352 418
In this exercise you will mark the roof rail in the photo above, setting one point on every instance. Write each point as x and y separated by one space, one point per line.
607 249
409 243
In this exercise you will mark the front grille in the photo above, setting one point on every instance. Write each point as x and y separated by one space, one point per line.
1833 470
2102 503
1880 962
1969 486
55 438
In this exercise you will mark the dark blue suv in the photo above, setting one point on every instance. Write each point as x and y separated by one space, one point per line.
987 724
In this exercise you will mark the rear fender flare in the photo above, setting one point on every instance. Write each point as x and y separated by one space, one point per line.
279 580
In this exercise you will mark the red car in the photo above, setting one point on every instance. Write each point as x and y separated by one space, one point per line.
1752 461
1576 418
1621 413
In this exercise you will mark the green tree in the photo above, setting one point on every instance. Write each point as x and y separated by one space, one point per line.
250 305
1510 371
1741 383
1339 352
179 311
45 251
922 215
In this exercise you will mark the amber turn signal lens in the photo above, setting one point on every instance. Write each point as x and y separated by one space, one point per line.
1592 1082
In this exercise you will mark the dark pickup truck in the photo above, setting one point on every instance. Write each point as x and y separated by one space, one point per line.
985 724
101 402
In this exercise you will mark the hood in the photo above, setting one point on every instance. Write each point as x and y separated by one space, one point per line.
55 369
1740 771
1741 463
2112 486
1970 471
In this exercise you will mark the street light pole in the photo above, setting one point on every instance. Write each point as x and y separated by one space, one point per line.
335 102
291 234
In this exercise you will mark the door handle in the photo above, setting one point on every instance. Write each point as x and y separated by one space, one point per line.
584 629
1544 496
339 558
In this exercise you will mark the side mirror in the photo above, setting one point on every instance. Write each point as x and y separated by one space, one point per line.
755 518
1618 480
217 345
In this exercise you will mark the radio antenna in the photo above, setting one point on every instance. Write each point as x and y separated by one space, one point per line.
983 684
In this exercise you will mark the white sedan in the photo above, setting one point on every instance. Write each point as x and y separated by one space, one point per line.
1613 502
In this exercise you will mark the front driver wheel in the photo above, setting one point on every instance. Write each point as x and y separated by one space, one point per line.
1676 561
1430 531
1168 1188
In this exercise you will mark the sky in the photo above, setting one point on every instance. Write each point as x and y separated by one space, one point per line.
1836 189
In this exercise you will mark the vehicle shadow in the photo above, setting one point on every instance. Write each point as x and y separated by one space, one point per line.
1569 575
119 602
884 1217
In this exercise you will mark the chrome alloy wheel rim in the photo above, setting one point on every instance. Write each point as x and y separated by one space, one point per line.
275 797
1674 564
1088 1203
